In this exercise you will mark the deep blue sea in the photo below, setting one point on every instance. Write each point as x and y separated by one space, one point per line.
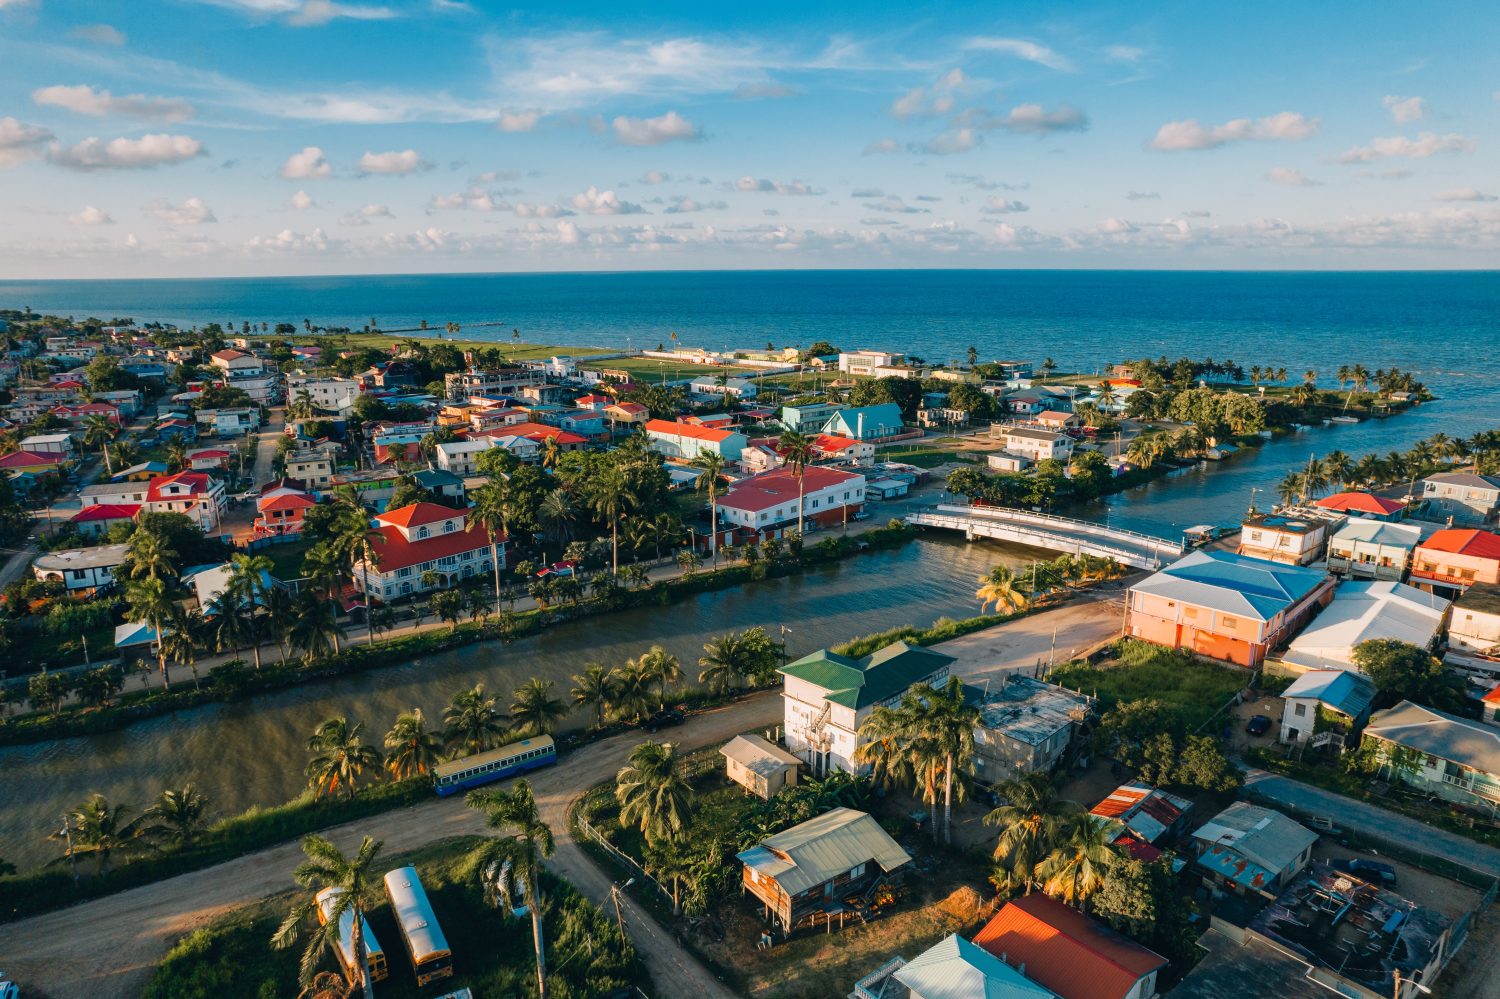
1442 326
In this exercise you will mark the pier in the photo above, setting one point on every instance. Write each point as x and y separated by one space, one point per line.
1044 530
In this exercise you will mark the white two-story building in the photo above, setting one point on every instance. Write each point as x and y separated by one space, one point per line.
414 540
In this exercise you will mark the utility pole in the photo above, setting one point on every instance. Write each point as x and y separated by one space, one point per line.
614 894
67 831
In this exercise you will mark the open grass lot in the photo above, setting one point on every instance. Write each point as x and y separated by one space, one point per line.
1196 688
286 558
493 954
649 369
516 351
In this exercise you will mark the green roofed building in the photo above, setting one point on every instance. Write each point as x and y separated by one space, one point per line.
826 697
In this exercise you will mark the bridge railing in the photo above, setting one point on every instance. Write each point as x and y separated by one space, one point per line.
1145 556
1011 513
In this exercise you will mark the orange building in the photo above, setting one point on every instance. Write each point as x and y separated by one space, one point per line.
1453 560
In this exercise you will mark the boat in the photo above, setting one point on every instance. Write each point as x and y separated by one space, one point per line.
1344 416
1344 419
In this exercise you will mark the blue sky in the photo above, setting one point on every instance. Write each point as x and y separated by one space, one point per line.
208 137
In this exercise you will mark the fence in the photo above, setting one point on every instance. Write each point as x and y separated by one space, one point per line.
595 836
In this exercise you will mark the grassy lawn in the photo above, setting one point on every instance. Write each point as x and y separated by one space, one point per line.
492 953
287 558
1195 687
924 455
30 649
648 369
515 351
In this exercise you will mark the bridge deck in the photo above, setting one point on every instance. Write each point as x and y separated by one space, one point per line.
1043 530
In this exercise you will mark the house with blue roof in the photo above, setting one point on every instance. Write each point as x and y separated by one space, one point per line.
1340 698
1226 606
866 423
952 968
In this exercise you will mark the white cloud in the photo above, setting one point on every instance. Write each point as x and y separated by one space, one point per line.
567 233
1291 177
686 204
519 121
1141 195
761 185
97 103
1463 194
20 142
396 163
886 145
995 205
654 177
475 199
301 201
91 216
895 205
541 211
1124 53
1405 109
126 154
288 241
310 164
99 34
1287 126
960 140
191 212
1021 49
305 13
597 202
984 183
1032 119
1399 146
365 214
931 101
669 127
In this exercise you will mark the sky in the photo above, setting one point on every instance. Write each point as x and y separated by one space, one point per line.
187 138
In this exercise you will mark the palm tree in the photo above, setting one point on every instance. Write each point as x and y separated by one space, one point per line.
608 501
340 756
324 571
150 603
99 431
1031 824
177 816
556 515
182 641
245 593
663 668
633 694
360 546
315 628
150 555
594 687
413 751
999 587
471 722
652 795
491 511
711 466
515 814
102 829
351 879
535 711
797 450
177 459
726 662
946 720
1075 869
550 451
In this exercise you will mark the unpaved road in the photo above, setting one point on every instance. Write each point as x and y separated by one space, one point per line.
108 947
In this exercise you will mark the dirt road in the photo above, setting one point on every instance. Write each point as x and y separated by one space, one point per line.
108 947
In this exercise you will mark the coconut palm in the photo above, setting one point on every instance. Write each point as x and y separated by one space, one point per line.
99 431
177 455
663 668
149 602
491 512
946 721
177 815
551 452
184 640
608 500
150 555
99 828
633 696
245 594
652 794
534 711
797 452
352 878
526 839
315 628
594 687
471 722
411 749
557 516
324 570
1076 867
1031 824
711 466
727 660
360 546
340 756
1000 587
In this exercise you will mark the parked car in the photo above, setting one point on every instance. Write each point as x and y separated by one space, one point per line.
9 990
862 515
1258 725
1370 870
669 718
556 569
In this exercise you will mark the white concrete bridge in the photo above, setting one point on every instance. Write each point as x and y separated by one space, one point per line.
1043 530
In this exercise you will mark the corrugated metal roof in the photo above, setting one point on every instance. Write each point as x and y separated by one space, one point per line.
857 683
1458 740
1340 689
1146 811
822 848
1263 837
1363 611
1065 950
1233 584
957 969
758 755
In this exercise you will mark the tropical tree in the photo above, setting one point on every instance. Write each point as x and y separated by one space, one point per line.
727 660
1076 867
351 879
99 431
653 796
150 555
608 499
96 827
177 816
183 640
491 511
340 756
447 605
149 602
594 688
1031 825
557 516
999 587
360 546
411 750
472 722
315 628
663 668
534 711
711 467
245 593
797 452
515 814
927 738
633 696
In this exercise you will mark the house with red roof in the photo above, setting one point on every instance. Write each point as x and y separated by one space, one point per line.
79 413
627 412
766 505
235 362
833 447
34 462
1361 504
1074 956
536 432
1489 711
93 521
207 459
414 540
1452 560
686 441
197 495
280 511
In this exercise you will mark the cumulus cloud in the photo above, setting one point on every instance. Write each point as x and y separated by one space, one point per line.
597 202
307 13
1463 194
930 101
20 142
686 204
365 214
959 140
1405 109
126 154
654 177
91 216
895 205
763 186
97 102
475 199
1033 119
1290 177
1141 195
289 241
886 145
1287 126
191 212
301 201
99 34
541 211
309 164
395 163
1021 49
996 205
519 121
1399 146
669 127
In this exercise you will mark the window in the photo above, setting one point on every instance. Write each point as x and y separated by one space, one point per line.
857 871
449 526
1229 622
1300 710
404 572
422 531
